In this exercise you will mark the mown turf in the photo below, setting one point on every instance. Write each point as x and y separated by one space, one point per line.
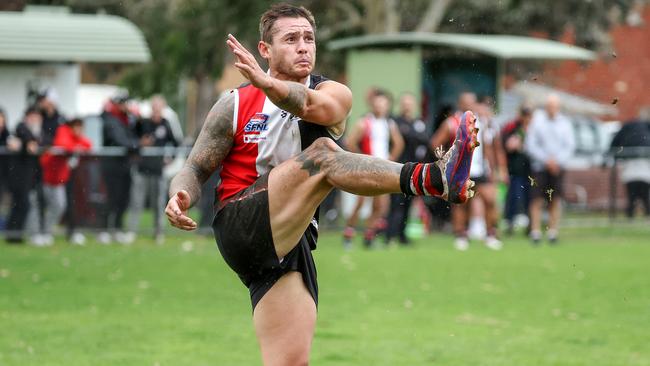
583 302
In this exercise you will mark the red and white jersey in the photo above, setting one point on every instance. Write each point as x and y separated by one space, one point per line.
264 137
375 140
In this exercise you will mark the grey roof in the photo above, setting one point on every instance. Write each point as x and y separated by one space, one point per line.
41 34
501 46
536 95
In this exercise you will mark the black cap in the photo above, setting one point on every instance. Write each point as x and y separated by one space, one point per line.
121 97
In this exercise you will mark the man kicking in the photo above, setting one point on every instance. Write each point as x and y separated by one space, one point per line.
273 140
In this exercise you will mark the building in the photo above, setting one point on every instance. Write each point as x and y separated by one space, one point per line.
439 66
45 47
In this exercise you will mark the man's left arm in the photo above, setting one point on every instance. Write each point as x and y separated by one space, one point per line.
328 105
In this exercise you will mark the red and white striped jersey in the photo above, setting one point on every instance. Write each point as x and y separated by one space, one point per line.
264 137
375 140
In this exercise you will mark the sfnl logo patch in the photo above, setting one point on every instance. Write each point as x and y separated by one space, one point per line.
254 128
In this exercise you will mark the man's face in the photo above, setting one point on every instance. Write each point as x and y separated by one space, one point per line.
380 106
122 106
77 129
407 105
49 104
467 102
293 50
157 107
553 106
33 119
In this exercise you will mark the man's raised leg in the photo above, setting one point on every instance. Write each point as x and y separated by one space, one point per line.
298 186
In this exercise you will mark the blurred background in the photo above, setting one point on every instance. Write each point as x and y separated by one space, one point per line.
75 57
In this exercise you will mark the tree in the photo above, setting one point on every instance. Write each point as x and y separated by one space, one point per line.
187 43
186 37
590 19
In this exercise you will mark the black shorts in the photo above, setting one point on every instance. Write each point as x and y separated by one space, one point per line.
544 183
242 229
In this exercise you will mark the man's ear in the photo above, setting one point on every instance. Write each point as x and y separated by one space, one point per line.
264 50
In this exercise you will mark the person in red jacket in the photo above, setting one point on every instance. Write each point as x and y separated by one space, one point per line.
68 140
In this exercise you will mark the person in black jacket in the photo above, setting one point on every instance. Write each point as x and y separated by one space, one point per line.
518 197
413 131
52 119
116 170
632 146
4 162
147 178
23 173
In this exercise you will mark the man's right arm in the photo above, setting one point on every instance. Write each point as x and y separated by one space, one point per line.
209 150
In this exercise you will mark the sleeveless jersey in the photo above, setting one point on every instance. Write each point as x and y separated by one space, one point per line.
480 167
376 136
264 137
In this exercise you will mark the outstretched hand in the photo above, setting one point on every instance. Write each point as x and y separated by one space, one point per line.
247 64
176 211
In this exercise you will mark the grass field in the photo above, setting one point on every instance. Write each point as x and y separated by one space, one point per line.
584 302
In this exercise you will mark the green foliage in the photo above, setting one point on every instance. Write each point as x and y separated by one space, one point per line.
589 19
584 302
187 39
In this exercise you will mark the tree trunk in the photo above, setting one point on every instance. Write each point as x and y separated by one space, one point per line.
393 18
374 16
433 16
200 101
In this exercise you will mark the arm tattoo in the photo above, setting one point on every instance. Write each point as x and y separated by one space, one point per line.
211 147
295 100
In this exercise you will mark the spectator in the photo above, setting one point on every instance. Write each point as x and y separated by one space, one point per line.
514 135
69 139
484 167
636 176
635 172
4 162
147 177
47 104
23 173
375 134
116 170
550 144
413 132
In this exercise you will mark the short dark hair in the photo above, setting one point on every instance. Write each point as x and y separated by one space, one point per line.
75 121
525 111
282 10
384 93
32 109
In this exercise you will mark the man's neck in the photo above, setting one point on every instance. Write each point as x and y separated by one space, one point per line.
408 116
281 76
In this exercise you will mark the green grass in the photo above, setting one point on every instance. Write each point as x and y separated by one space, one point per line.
584 302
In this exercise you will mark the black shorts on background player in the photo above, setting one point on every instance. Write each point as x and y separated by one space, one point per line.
242 229
544 182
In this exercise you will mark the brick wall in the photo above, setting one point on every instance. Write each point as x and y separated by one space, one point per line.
624 77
